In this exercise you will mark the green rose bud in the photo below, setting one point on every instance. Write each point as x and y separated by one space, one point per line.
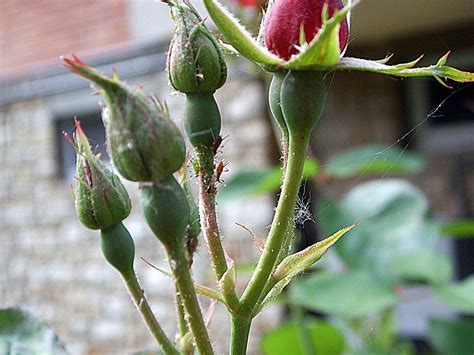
166 210
145 145
202 122
100 198
195 61
118 248
302 98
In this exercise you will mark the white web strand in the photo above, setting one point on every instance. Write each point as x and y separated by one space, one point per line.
409 134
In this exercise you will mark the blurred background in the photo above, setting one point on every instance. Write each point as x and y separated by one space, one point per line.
412 138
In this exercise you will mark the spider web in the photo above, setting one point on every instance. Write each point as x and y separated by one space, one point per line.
303 208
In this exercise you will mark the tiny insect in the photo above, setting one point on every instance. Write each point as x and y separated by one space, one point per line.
220 169
217 144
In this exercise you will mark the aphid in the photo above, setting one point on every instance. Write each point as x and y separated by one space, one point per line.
220 169
217 144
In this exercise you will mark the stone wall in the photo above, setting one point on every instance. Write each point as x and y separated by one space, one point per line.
52 266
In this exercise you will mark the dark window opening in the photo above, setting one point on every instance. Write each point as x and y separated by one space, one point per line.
457 109
93 127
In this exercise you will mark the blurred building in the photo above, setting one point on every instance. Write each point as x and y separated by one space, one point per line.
51 265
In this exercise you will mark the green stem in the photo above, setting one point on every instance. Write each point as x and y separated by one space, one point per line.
138 296
240 329
182 276
182 325
298 144
207 209
119 250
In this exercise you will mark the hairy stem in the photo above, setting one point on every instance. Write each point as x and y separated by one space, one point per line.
207 209
240 329
182 324
138 297
182 276
298 144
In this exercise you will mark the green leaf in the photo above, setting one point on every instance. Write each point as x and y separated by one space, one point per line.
238 36
21 333
298 262
259 182
285 340
373 159
324 49
424 265
458 295
452 337
394 222
348 294
459 229
437 71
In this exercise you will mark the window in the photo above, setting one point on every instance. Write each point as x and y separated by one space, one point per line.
94 129
457 109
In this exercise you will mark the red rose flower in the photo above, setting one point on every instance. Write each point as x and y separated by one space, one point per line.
248 3
285 18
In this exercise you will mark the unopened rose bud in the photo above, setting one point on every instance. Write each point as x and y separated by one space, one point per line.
287 20
145 145
195 61
166 210
100 198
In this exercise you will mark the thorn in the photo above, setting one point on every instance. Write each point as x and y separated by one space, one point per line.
442 61
258 243
442 82
386 59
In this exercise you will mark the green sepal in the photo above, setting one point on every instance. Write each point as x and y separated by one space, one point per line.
439 71
118 248
238 36
100 198
303 97
195 60
323 50
202 122
274 99
166 210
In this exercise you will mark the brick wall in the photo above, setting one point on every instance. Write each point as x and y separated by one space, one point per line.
34 33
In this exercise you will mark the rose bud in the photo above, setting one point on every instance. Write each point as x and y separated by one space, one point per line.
100 198
166 210
145 145
195 61
288 20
